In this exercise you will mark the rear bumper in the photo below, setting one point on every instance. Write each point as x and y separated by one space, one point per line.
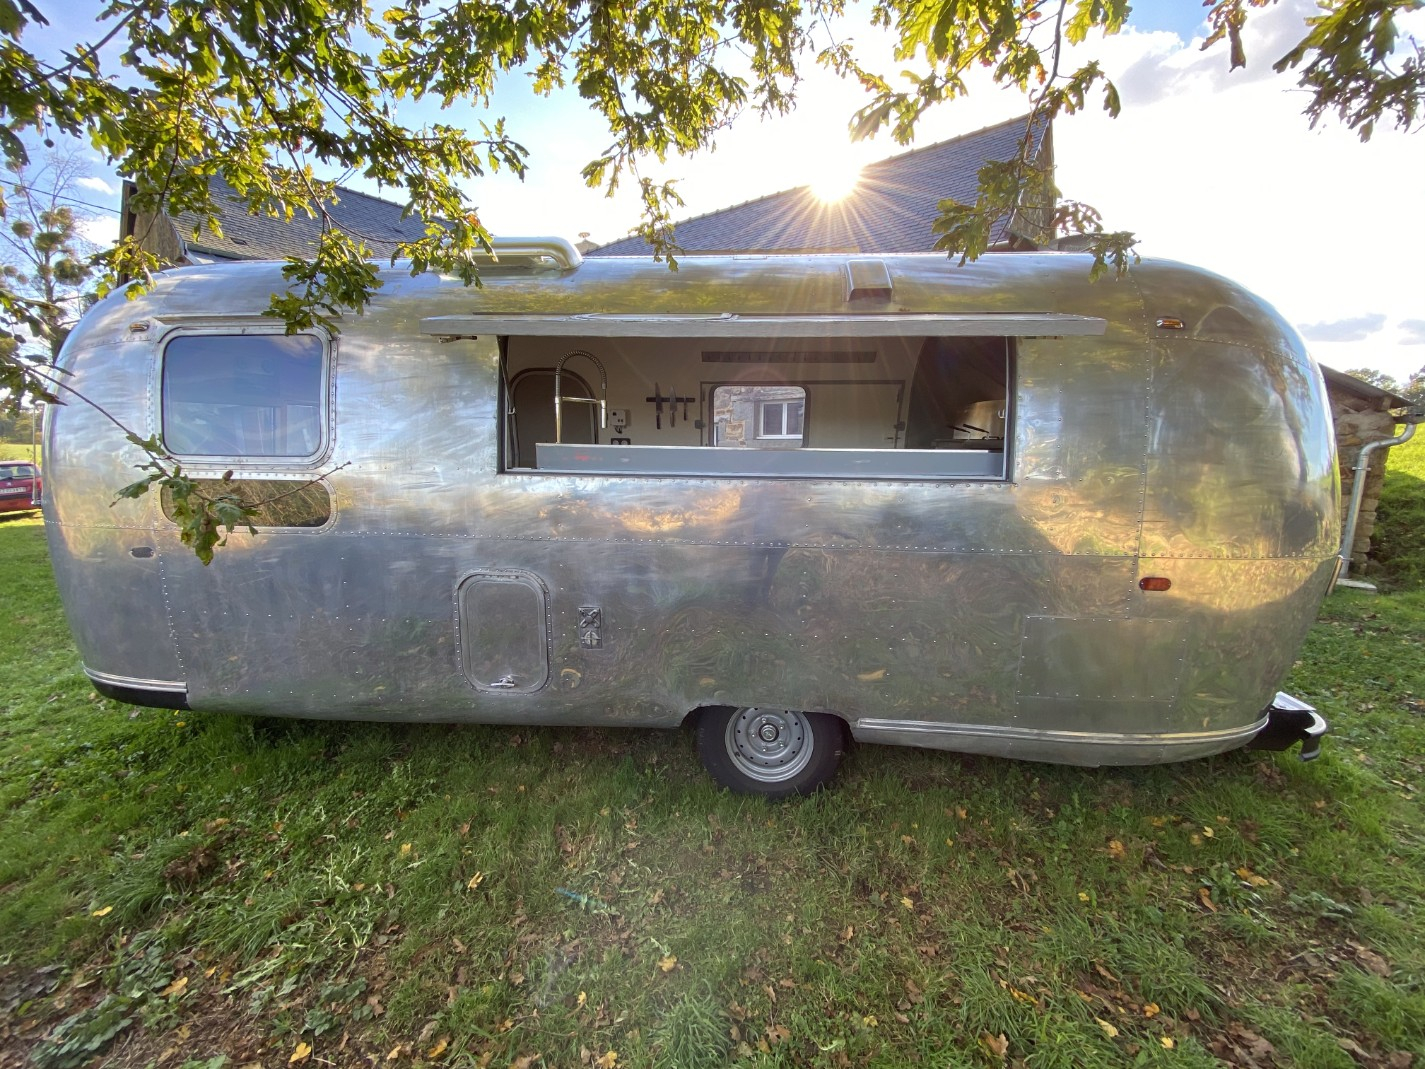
155 693
1289 721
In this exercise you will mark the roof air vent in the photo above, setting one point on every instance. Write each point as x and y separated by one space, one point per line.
867 280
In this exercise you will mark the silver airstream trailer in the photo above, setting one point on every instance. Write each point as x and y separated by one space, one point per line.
995 509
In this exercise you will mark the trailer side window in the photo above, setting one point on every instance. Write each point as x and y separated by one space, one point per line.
856 406
244 395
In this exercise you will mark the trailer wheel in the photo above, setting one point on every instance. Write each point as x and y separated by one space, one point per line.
768 751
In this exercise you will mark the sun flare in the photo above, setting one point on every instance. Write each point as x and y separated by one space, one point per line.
836 181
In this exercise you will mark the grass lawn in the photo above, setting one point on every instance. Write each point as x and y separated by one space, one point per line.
191 891
18 451
1398 555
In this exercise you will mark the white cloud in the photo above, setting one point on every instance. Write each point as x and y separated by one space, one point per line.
102 231
1412 331
96 185
1356 328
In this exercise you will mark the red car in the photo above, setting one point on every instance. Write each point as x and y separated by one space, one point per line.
20 486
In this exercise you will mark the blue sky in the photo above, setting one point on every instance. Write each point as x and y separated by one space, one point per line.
1214 167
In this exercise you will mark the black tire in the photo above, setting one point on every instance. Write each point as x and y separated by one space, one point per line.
775 753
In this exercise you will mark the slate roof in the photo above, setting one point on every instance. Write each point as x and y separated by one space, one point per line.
1366 391
259 237
890 210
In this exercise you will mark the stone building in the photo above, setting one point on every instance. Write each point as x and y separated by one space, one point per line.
1363 414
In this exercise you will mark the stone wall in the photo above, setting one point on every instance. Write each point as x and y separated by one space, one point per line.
1360 421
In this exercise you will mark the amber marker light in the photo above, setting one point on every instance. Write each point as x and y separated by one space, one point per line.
1171 323
1155 582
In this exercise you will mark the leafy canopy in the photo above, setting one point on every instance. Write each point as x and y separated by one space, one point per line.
269 94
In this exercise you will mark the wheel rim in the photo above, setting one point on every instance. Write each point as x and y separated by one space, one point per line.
769 745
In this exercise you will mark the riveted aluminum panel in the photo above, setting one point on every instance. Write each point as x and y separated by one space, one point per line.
1085 659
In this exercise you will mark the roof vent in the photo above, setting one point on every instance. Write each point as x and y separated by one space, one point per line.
867 280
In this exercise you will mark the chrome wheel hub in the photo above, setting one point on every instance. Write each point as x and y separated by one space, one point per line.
769 745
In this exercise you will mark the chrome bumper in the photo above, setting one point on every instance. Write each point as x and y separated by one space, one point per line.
1289 721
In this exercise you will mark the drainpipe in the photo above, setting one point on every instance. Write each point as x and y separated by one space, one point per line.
1358 485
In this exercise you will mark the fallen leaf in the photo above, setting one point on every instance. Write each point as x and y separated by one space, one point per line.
608 1061
871 677
475 881
1116 850
1208 832
1152 1010
395 1053
997 1046
1373 961
869 1020
175 988
1350 1046
1167 1042
405 849
102 912
524 1061
581 1000
669 963
908 903
1205 896
439 1048
301 1054
1108 1029
1252 878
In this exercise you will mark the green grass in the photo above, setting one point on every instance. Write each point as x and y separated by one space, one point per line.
1398 543
219 886
19 451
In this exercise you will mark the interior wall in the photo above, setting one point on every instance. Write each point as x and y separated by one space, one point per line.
861 416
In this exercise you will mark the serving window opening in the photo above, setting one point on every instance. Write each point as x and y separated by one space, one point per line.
913 407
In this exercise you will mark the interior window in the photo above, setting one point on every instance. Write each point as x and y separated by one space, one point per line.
244 395
758 417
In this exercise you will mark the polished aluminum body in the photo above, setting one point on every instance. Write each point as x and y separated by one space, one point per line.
1000 616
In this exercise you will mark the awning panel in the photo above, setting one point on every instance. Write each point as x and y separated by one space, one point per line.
727 325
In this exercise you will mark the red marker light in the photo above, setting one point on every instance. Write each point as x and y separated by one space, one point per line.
1155 582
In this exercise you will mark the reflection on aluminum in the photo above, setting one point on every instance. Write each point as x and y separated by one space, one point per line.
999 616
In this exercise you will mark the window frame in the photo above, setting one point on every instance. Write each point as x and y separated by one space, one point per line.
786 406
247 462
819 463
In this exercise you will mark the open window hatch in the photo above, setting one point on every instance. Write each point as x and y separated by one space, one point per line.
868 396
